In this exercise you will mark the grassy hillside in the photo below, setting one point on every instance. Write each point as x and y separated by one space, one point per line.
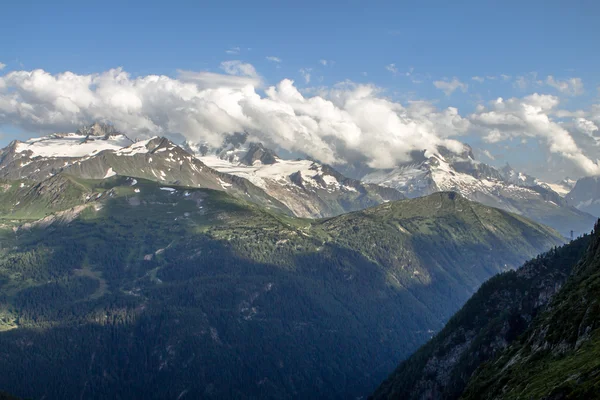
134 289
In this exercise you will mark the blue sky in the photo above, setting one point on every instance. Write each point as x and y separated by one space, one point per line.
510 48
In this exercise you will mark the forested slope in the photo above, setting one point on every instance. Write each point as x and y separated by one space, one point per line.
132 289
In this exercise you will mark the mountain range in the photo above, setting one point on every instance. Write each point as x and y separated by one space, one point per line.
301 187
136 284
155 270
503 188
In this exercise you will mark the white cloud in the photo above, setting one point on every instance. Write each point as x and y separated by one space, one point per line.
529 117
448 87
2 66
323 62
571 86
479 79
586 126
570 114
305 72
505 77
488 154
239 75
346 123
273 59
233 50
238 68
494 136
528 80
392 68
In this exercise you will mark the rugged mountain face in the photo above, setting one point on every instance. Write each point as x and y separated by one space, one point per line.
533 333
558 357
488 323
506 189
127 287
99 152
247 170
586 195
306 187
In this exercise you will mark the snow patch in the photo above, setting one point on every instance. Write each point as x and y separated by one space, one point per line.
71 145
109 173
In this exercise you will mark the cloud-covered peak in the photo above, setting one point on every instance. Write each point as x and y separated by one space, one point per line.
345 123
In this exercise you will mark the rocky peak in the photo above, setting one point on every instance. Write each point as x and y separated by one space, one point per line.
257 152
465 154
98 129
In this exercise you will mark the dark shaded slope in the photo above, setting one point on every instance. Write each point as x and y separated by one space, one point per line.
495 316
558 357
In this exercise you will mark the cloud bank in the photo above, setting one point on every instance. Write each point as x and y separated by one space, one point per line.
346 123
530 117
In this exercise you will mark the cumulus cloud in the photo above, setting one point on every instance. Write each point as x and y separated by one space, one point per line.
529 117
2 66
273 59
346 123
326 63
571 86
586 126
448 87
479 79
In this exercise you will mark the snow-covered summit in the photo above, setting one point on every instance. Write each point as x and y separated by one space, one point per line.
507 189
70 145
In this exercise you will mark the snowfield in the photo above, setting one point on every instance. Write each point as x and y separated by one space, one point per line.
71 145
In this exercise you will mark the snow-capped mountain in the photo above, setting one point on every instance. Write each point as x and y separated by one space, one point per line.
563 187
506 189
585 195
246 170
100 153
306 187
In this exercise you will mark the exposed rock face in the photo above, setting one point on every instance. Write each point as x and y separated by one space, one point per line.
98 129
257 152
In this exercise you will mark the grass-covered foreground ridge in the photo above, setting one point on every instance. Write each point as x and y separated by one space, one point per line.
526 334
125 288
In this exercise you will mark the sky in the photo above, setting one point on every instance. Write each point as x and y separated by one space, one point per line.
341 81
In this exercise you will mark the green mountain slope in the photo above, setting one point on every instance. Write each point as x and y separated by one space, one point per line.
496 315
558 357
526 334
132 289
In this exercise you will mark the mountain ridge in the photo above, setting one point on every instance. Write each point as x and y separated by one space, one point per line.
185 281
